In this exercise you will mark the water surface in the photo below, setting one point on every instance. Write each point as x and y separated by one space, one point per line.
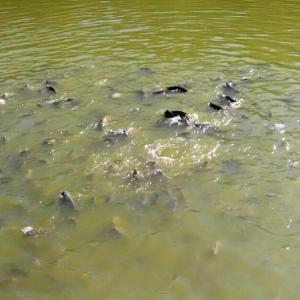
216 214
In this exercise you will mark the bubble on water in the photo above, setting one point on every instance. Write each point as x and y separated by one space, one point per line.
116 95
102 82
217 247
278 127
281 144
178 154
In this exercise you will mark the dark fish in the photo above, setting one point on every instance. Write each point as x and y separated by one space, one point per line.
50 89
66 200
175 113
136 175
215 106
176 89
228 99
171 90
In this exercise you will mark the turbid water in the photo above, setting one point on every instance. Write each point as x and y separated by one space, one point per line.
201 208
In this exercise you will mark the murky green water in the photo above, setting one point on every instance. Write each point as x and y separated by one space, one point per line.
211 211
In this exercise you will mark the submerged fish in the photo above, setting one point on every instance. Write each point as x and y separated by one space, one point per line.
62 103
228 99
3 139
30 231
102 122
4 96
118 133
28 87
4 180
146 71
141 95
50 82
66 200
149 171
49 142
230 87
113 136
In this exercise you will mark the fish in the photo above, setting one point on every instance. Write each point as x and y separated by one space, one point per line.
3 139
171 90
65 199
28 87
50 82
175 118
227 99
136 175
159 92
113 136
146 71
4 180
215 106
206 128
4 96
229 86
70 102
140 95
118 133
3 99
176 89
30 231
49 142
102 122
175 113
49 87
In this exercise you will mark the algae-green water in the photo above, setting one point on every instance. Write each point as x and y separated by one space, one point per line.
205 209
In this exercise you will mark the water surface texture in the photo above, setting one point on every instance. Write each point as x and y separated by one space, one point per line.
205 208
